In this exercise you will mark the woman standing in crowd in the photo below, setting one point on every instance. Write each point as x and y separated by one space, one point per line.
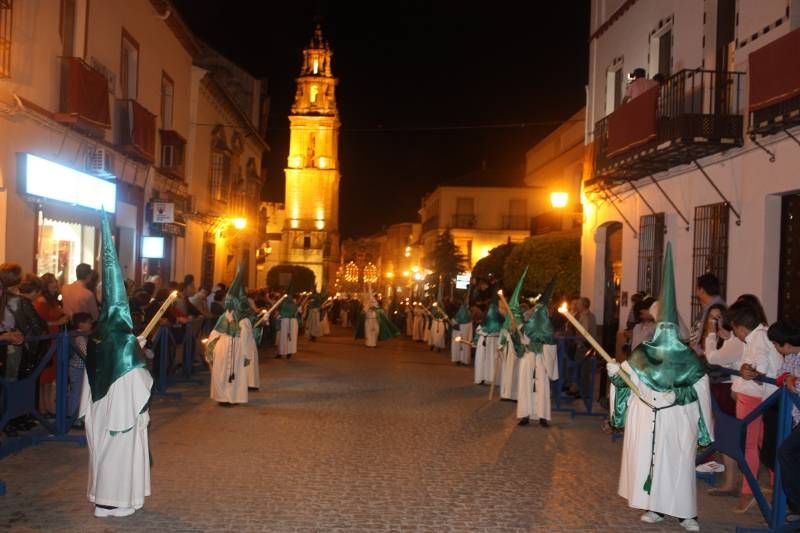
49 309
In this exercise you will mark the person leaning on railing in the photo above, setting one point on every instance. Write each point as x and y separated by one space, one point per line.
759 358
786 338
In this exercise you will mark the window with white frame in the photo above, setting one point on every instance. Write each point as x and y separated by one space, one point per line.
661 49
614 86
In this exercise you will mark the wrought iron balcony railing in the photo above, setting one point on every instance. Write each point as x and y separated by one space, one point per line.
464 221
137 130
695 113
518 222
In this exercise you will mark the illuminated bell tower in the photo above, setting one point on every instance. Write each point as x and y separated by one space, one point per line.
311 229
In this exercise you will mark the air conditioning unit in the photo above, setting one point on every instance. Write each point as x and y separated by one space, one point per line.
99 162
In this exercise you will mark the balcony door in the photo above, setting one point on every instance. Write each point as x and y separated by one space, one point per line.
129 67
74 14
612 285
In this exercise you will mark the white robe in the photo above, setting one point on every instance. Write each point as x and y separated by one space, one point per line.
326 324
119 464
437 338
674 485
461 352
486 356
287 336
510 370
371 328
228 358
418 328
343 318
250 349
533 391
314 328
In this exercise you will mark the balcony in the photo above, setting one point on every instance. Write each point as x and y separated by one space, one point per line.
173 149
516 222
84 97
464 221
695 113
430 224
775 85
137 131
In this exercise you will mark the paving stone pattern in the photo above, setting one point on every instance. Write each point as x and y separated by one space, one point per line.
347 438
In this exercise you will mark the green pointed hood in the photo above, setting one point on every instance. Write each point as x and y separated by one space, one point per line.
493 321
236 302
538 328
666 363
513 302
288 307
113 350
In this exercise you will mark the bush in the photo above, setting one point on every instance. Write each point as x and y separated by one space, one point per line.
556 253
301 278
494 263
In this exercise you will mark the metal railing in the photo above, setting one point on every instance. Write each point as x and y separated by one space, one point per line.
464 221
519 222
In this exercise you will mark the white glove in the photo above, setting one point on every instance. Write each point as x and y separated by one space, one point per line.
142 341
612 369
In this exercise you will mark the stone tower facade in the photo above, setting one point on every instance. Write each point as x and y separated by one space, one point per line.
311 225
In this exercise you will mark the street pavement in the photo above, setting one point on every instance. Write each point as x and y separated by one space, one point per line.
347 438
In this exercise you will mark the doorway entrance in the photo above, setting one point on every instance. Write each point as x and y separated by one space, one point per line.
789 277
612 284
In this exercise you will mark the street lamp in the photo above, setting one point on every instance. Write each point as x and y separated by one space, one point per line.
559 199
239 223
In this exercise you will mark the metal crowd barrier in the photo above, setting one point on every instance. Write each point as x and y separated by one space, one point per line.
572 368
19 399
165 342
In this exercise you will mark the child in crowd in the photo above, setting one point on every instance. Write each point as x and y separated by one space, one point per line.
759 358
786 338
82 323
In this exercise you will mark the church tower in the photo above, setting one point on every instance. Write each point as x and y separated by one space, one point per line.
311 226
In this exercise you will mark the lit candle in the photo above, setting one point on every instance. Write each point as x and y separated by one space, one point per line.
579 328
507 307
161 310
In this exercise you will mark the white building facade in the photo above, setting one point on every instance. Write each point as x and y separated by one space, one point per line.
708 160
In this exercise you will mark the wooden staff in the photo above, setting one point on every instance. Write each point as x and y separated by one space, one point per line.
579 328
442 310
508 308
161 310
462 341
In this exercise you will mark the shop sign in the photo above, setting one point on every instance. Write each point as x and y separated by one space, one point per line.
48 179
163 213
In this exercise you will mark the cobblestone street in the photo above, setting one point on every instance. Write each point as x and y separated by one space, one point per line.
344 438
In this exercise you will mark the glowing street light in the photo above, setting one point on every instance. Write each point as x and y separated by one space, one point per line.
559 199
239 223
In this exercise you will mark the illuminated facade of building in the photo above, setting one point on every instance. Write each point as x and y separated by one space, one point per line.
310 232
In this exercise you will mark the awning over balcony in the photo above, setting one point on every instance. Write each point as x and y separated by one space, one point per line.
633 124
775 72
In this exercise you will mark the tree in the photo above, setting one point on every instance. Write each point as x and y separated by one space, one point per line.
556 253
446 259
281 276
494 263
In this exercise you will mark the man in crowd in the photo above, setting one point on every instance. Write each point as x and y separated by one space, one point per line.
638 85
76 298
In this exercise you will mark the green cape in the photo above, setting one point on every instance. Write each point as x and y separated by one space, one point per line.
112 350
538 328
493 321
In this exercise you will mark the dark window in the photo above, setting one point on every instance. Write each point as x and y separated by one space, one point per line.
789 284
651 253
306 242
665 54
710 251
5 38
207 268
220 176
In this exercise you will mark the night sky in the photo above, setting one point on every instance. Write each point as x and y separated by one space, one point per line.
415 78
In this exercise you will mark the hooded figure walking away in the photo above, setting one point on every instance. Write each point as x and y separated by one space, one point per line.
374 326
231 348
511 343
115 400
418 324
664 425
314 317
539 363
487 339
289 326
461 352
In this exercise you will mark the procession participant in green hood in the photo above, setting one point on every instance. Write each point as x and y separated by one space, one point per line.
511 343
437 339
289 326
231 348
539 362
666 421
116 395
418 325
460 349
487 340
314 329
